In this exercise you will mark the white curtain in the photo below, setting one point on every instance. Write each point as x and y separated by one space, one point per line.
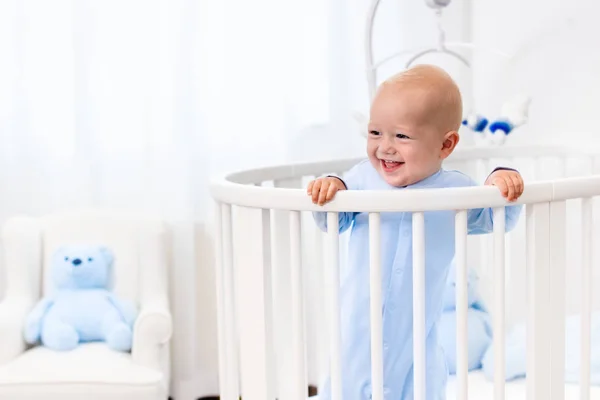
135 104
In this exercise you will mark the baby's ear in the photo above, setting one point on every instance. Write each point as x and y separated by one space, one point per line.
449 143
451 139
107 254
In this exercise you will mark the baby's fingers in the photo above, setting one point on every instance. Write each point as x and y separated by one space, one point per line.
519 185
331 192
511 189
500 183
325 187
507 187
315 189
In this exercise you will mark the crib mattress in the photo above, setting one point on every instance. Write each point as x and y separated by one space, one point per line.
480 388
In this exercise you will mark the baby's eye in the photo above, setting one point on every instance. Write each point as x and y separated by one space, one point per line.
402 136
90 259
66 258
374 133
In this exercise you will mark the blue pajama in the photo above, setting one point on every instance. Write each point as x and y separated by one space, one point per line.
396 256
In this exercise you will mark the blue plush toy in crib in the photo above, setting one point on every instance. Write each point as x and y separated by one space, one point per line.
81 308
479 328
516 351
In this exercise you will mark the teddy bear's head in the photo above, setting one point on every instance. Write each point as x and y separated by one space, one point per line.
82 267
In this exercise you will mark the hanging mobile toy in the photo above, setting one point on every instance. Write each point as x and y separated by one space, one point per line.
477 123
514 113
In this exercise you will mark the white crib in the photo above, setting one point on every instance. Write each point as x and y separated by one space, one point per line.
277 275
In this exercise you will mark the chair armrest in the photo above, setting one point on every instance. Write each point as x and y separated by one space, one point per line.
152 330
153 327
154 323
13 312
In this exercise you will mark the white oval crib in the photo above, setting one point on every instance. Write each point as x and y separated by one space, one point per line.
278 275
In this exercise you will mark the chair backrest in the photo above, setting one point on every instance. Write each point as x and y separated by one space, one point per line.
120 232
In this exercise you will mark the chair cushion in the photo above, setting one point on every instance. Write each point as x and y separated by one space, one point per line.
91 371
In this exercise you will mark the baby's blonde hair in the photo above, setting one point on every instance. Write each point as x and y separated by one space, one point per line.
441 90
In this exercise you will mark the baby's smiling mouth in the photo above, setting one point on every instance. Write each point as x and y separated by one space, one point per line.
390 165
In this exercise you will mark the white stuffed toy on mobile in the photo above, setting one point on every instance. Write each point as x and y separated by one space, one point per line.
514 113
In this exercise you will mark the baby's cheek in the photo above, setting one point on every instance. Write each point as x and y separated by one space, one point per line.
416 156
371 150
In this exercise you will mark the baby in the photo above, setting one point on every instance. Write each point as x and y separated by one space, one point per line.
413 126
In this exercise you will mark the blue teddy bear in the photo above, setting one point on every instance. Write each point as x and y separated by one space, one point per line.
479 328
82 308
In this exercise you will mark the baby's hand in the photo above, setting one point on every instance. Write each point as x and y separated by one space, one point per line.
322 190
509 182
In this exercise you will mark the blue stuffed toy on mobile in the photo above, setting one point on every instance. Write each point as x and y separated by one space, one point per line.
82 308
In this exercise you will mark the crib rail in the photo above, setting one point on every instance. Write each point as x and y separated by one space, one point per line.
264 216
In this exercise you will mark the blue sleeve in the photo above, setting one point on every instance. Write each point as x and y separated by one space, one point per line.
480 220
345 220
352 182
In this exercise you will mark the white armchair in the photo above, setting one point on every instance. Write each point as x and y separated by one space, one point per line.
92 371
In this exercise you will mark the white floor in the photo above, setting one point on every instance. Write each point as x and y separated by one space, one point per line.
482 389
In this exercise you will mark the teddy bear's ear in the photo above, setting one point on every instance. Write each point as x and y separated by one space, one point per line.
107 254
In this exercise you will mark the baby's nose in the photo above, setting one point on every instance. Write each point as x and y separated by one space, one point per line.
76 262
388 149
388 146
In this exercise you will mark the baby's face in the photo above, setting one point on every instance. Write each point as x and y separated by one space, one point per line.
404 145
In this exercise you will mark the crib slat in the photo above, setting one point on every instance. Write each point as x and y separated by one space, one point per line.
231 349
558 300
595 165
462 366
292 183
254 302
562 168
538 340
486 242
220 286
376 306
499 312
537 168
586 297
282 303
315 319
333 248
299 373
322 321
282 295
418 227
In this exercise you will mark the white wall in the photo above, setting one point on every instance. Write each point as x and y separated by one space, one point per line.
557 59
